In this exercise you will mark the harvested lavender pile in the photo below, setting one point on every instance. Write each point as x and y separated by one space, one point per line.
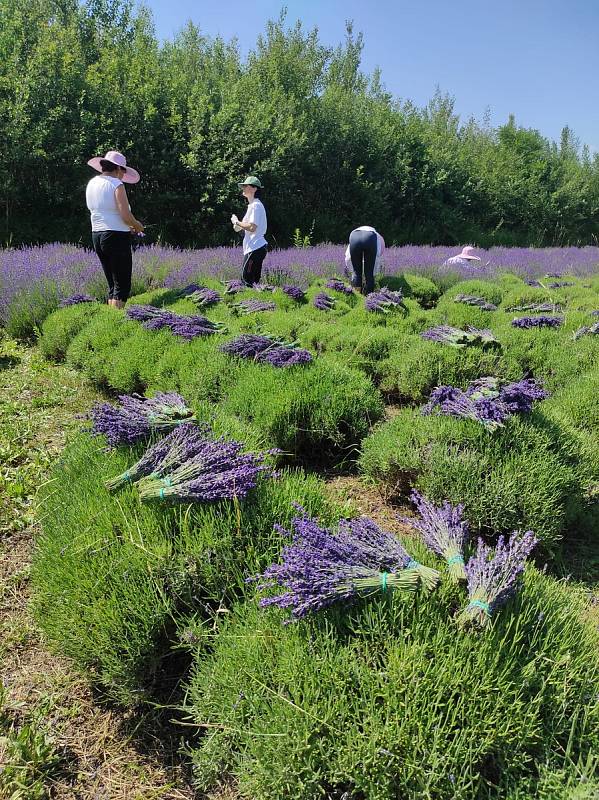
536 284
443 531
324 302
267 349
560 284
585 330
537 308
294 292
233 287
187 327
493 577
136 418
263 287
75 299
254 306
204 297
542 321
472 300
485 401
455 337
320 567
339 286
191 288
194 468
383 301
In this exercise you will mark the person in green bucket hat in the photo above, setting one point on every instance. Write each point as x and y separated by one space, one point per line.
253 226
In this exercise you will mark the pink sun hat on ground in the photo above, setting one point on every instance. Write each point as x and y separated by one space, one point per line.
468 252
119 160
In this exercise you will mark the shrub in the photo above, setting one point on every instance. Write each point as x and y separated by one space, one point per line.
388 699
61 327
28 310
490 291
419 287
527 475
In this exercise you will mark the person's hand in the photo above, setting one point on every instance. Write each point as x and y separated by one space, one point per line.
137 227
234 219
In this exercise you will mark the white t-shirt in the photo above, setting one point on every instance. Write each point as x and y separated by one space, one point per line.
101 202
255 213
380 248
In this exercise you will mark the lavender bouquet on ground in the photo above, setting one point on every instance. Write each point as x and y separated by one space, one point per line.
268 350
537 308
75 299
493 577
204 297
472 300
263 287
324 302
180 444
294 292
320 568
202 470
593 330
455 337
542 321
560 284
443 531
383 301
144 313
233 287
253 306
339 286
135 418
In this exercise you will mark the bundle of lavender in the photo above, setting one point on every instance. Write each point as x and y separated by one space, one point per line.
542 321
263 287
190 289
485 401
75 299
338 285
537 308
136 418
197 469
536 284
455 337
204 297
593 330
295 293
253 306
267 349
181 444
383 301
320 568
145 313
324 302
443 531
493 577
472 300
560 284
154 319
233 287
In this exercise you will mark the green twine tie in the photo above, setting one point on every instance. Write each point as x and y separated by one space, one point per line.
384 581
127 475
480 604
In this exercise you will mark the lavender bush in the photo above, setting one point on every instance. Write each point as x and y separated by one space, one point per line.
493 577
320 567
135 418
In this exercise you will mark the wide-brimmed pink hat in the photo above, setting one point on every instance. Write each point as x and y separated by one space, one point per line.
468 252
119 160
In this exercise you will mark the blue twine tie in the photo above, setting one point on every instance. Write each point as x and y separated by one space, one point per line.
455 560
384 581
412 564
480 604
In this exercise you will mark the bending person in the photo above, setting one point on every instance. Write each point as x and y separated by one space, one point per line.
254 226
363 255
113 222
462 259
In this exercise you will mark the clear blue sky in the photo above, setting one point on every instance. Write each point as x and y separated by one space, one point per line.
537 59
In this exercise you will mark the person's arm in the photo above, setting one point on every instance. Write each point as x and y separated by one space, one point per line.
249 225
122 205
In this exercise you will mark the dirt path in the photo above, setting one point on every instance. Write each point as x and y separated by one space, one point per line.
54 734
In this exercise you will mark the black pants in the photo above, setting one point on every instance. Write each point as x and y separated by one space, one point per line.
252 265
362 250
113 248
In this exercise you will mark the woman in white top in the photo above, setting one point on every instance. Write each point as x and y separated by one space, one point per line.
113 222
254 227
363 255
464 259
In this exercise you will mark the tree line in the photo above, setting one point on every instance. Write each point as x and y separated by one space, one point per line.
334 148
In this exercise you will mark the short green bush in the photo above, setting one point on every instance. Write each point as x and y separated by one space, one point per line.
390 699
60 328
419 287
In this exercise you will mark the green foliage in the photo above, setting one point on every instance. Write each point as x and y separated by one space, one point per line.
528 475
418 286
439 713
60 328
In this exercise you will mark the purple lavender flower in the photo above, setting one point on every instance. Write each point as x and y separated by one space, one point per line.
455 337
339 286
383 301
187 327
494 577
233 287
323 302
585 330
75 299
537 308
136 418
560 284
254 306
320 567
249 345
519 396
472 300
263 287
202 470
285 356
144 313
203 297
294 292
542 321
182 441
443 531
191 288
